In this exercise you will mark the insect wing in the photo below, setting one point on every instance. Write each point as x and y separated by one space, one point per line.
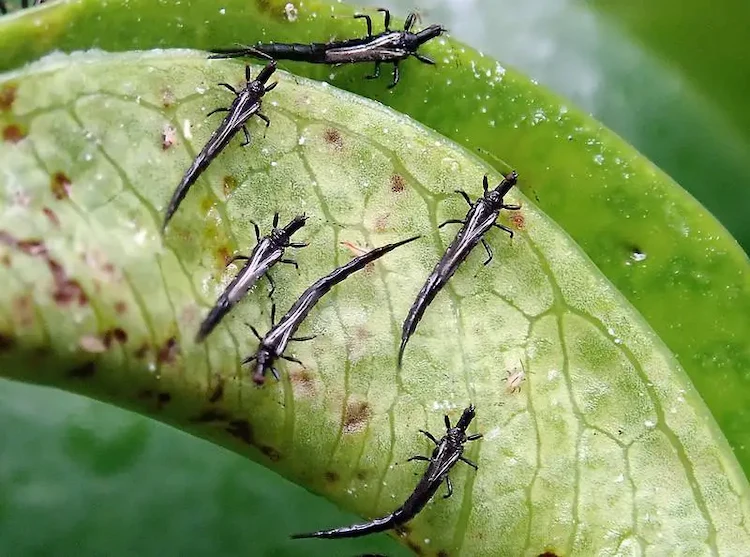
264 256
442 462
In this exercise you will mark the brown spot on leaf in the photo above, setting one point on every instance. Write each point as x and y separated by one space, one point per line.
241 430
381 222
397 183
84 371
12 133
302 382
141 352
168 136
51 216
6 342
5 260
361 475
23 310
121 307
223 255
414 547
212 415
7 96
356 416
168 353
272 454
60 185
67 291
331 476
117 334
218 391
517 220
333 137
443 553
230 183
162 399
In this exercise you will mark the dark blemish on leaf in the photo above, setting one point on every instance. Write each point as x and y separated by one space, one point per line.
51 216
12 133
168 352
302 382
397 183
121 307
549 554
414 547
331 476
7 96
211 415
67 291
168 137
6 342
356 416
141 352
443 553
272 454
167 97
230 183
5 260
518 220
84 371
23 310
117 334
361 475
162 399
333 137
218 391
223 255
241 430
60 185
381 222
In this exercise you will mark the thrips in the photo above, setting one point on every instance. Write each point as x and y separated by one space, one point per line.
267 252
274 344
448 451
246 104
481 217
388 46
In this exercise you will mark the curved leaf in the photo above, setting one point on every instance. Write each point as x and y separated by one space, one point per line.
606 447
692 287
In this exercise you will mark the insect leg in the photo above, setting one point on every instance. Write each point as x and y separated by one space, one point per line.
465 195
265 119
237 258
512 207
410 21
273 286
451 221
291 359
271 85
298 244
276 219
449 485
447 422
367 20
489 251
273 313
275 373
485 184
418 457
254 330
387 22
247 136
424 59
248 360
214 111
396 76
227 86
429 436
290 262
376 73
501 227
303 339
469 462
474 437
257 231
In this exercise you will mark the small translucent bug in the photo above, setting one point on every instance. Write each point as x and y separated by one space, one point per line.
514 379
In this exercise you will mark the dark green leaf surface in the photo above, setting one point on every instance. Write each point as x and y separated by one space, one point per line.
607 447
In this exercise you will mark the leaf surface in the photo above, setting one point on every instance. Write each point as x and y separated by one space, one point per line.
606 448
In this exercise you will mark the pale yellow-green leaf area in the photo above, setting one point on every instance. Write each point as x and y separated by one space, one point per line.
601 447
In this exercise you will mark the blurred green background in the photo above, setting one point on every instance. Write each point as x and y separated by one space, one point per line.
80 478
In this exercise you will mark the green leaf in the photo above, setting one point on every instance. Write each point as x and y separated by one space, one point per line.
692 288
606 446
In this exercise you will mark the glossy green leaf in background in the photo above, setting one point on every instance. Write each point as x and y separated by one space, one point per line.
608 448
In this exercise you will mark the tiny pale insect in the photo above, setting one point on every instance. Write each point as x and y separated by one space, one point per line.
514 379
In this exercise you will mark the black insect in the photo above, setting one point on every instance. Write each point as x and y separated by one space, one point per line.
388 46
274 344
24 4
267 252
246 104
448 451
481 217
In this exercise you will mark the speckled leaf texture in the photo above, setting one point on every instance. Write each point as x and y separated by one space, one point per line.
606 449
